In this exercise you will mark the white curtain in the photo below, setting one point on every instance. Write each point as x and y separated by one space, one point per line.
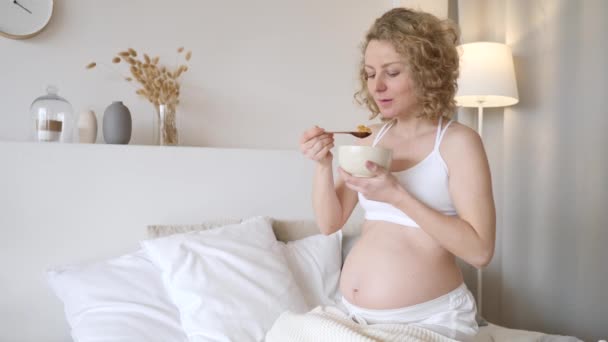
549 165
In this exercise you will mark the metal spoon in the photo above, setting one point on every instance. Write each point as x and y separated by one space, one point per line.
359 135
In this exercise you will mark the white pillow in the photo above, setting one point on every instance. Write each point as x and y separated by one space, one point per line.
315 262
118 300
229 283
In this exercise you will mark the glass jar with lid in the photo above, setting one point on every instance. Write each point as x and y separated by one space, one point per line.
52 117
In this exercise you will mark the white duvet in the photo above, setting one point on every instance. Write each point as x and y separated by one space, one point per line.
330 324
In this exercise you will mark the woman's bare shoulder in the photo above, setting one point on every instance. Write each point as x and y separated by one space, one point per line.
458 132
460 140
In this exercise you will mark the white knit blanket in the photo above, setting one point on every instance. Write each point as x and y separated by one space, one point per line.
332 325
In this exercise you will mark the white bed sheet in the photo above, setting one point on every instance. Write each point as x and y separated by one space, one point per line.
496 333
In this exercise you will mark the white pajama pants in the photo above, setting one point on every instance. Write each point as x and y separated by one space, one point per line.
451 315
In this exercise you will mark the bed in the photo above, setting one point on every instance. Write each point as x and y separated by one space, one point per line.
84 227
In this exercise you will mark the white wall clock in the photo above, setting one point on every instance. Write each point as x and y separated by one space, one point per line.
21 19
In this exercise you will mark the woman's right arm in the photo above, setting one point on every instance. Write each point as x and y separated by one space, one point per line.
332 203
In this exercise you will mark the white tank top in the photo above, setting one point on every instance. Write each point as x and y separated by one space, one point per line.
427 181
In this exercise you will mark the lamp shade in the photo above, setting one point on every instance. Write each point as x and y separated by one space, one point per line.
487 76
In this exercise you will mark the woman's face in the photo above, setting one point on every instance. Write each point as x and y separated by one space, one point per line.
388 80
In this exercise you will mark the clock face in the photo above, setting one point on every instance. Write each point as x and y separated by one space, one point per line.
24 18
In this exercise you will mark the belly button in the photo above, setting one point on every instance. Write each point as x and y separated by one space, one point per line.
355 296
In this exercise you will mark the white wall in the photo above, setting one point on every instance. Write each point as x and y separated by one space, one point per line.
261 72
438 8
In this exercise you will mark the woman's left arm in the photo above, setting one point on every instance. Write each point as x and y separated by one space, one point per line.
471 234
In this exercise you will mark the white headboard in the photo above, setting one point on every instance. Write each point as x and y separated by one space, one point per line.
74 203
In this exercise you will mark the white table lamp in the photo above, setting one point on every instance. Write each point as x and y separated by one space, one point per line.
487 79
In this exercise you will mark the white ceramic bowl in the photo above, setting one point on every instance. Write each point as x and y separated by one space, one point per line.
352 158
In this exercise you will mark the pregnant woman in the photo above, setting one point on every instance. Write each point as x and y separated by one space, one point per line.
434 204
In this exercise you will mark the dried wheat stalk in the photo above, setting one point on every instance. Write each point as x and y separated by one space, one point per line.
158 84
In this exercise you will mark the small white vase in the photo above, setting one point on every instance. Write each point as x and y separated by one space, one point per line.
87 127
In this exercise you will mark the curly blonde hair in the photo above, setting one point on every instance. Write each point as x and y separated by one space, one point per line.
428 45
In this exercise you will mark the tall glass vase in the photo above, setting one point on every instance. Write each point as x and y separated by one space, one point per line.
165 125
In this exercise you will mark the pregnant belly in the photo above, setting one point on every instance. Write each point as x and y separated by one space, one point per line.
392 266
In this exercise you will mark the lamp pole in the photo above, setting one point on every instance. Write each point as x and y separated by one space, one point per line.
480 118
480 104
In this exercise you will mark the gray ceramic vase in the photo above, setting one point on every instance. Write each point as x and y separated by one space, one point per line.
117 124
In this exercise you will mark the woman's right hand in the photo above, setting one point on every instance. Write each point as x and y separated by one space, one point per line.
316 144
